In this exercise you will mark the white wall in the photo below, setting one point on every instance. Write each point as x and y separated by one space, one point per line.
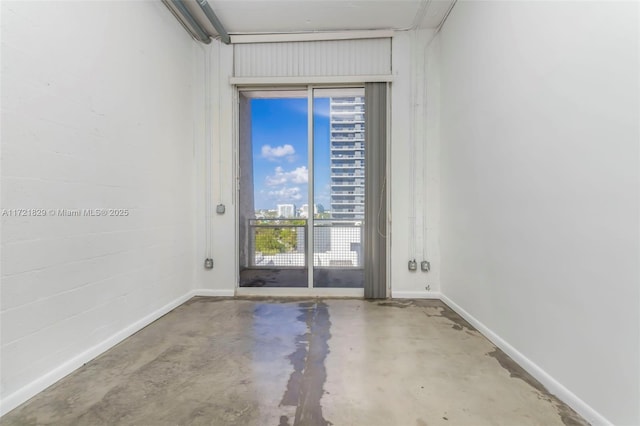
415 198
222 279
218 146
540 187
96 113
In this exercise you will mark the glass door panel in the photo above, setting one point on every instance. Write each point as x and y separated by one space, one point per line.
338 188
274 176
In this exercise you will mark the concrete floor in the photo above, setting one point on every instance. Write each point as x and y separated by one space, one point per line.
300 362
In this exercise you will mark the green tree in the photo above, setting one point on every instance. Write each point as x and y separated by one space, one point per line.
272 240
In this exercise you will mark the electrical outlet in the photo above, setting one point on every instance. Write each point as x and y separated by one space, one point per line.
413 265
220 209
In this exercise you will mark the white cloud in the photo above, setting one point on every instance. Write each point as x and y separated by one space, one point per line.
287 194
277 152
281 177
321 112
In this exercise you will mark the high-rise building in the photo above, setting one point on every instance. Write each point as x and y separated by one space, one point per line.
304 210
286 210
347 157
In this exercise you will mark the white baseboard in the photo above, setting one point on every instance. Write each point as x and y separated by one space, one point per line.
213 292
552 385
415 294
26 392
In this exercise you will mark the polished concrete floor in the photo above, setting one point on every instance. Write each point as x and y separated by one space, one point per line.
280 362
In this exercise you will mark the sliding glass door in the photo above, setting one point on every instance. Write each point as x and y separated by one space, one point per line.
301 188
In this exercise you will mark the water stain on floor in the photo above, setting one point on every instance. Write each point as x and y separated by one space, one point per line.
305 386
569 417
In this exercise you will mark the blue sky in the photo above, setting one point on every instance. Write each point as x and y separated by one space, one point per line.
280 152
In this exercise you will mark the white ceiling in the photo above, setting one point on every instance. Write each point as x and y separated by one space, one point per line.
290 16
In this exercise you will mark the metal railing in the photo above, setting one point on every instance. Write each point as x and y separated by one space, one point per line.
358 192
347 184
278 243
339 175
340 157
282 243
341 120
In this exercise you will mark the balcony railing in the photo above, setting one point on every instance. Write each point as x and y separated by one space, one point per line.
347 101
348 109
360 192
342 130
277 243
347 157
352 118
282 243
347 202
346 147
347 184
337 174
351 170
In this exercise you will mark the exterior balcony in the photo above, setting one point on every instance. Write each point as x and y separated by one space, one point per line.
358 109
342 174
344 136
348 193
355 120
346 147
347 203
347 184
347 157
356 211
347 101
347 166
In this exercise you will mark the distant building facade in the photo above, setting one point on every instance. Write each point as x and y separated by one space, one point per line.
304 210
347 157
286 211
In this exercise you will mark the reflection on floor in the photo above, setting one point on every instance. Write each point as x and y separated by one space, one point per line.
307 362
333 278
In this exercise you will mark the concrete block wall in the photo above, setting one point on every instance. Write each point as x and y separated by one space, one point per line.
97 113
